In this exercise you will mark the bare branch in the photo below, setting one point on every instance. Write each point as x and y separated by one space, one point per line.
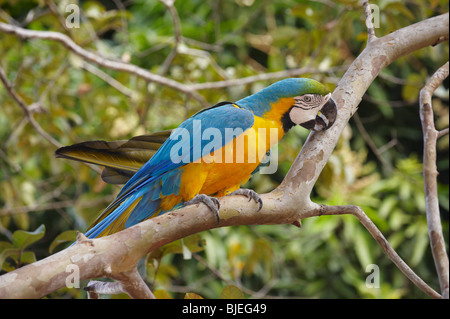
430 173
108 79
129 282
381 240
95 288
261 77
27 110
309 163
100 60
441 39
169 4
366 136
190 90
55 205
443 132
369 21
115 256
54 10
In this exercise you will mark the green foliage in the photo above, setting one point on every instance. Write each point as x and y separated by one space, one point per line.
328 256
64 237
15 251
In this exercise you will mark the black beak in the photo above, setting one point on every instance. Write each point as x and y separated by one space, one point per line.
324 119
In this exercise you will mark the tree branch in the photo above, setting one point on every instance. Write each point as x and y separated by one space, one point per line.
129 282
27 110
381 240
377 55
100 60
116 256
260 77
369 21
108 79
430 173
169 4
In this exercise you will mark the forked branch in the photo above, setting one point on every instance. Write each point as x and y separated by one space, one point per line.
430 173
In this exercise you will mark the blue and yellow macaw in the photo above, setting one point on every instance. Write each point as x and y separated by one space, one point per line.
201 158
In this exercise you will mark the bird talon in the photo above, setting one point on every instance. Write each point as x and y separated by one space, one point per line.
251 194
211 202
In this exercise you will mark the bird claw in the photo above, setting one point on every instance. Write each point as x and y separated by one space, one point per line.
251 194
212 203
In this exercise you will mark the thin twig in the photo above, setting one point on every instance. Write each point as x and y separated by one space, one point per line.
123 19
261 77
55 205
369 21
101 60
190 90
366 136
430 136
381 240
108 79
169 4
442 132
26 109
54 9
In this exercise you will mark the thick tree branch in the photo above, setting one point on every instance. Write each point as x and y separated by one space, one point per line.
377 55
115 256
430 173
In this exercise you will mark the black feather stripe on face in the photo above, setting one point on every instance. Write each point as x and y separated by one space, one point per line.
286 121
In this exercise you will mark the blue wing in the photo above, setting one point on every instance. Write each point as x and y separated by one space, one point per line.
161 175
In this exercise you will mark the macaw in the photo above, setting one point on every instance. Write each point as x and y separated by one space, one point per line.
209 155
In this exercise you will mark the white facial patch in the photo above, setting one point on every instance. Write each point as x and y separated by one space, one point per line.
307 108
298 115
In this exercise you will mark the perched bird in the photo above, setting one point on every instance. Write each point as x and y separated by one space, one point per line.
210 154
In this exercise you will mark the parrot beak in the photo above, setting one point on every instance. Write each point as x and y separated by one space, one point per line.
326 116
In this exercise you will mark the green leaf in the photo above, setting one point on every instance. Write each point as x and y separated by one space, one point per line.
421 241
363 248
9 252
67 236
27 257
231 292
191 295
22 239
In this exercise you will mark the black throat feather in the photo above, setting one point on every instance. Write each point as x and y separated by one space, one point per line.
286 121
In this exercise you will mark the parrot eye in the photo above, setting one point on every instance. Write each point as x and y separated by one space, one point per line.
308 101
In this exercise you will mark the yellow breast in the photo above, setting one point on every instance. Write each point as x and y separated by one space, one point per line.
224 170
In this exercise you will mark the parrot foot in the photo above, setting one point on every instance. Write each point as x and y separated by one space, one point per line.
251 194
212 203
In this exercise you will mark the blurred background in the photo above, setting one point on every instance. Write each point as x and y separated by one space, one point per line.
377 163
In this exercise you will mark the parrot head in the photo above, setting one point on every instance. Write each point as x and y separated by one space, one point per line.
313 111
294 101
